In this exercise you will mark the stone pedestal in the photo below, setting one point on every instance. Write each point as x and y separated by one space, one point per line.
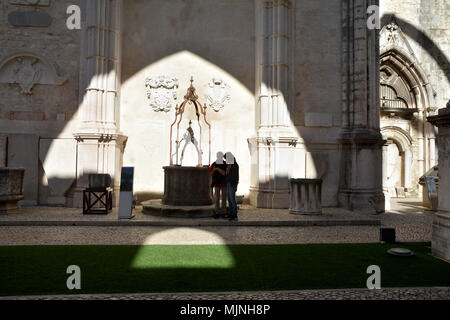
441 225
11 189
187 194
306 196
187 186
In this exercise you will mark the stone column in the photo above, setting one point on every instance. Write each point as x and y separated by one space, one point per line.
361 141
273 145
408 169
100 144
387 197
441 225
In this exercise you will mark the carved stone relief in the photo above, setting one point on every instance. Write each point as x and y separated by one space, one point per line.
217 94
162 92
391 36
28 70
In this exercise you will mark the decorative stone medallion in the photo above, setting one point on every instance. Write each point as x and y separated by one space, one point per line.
162 92
217 94
27 74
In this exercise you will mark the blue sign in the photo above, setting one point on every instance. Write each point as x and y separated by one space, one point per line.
126 180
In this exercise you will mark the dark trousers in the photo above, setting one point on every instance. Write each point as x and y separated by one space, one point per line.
231 194
220 195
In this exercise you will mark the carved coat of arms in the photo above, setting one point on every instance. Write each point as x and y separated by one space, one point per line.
162 92
27 74
217 94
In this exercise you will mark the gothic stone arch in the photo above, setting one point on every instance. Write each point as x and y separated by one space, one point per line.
407 98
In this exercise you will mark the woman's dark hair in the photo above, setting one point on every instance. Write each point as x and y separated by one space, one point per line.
231 157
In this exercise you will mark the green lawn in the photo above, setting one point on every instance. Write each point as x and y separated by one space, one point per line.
34 270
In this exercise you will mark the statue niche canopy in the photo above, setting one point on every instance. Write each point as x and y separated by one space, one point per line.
185 186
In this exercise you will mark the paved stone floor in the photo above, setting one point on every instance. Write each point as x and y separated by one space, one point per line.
345 294
412 222
248 216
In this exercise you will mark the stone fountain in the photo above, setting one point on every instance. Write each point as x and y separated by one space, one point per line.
187 189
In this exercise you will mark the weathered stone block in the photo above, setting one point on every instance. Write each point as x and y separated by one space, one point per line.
26 116
316 119
11 188
23 152
441 236
441 225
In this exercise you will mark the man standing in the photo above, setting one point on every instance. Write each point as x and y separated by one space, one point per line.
219 184
232 179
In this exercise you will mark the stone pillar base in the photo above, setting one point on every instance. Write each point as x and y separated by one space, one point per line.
269 199
10 204
11 188
362 202
441 236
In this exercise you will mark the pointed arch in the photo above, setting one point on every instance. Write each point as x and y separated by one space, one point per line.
396 53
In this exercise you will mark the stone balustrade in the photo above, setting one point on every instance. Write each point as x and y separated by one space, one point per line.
11 188
306 196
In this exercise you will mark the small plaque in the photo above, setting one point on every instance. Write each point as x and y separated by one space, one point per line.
126 193
126 180
34 3
29 19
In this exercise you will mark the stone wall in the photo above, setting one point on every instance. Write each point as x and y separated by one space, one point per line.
317 92
203 39
39 119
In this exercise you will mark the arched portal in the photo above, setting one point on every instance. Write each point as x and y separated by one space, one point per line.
406 100
398 162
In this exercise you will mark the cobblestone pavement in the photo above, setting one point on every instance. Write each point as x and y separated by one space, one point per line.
344 294
412 224
49 216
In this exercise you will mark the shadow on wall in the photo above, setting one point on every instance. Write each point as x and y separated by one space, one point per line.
181 41
422 39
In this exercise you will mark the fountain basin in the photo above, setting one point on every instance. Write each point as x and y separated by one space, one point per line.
187 186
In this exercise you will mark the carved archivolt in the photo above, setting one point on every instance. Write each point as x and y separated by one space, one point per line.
162 92
28 70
